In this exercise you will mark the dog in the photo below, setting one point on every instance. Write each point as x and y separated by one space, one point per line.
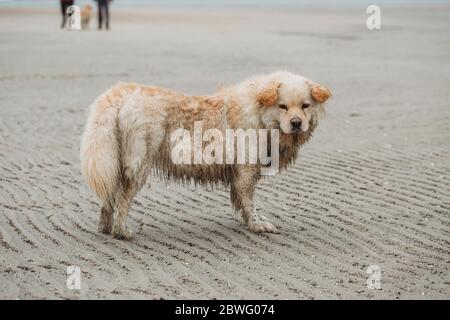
128 135
86 13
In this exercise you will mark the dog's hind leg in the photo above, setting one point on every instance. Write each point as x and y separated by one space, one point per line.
129 189
131 184
106 217
242 192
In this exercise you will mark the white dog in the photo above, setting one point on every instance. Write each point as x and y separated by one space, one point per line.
129 130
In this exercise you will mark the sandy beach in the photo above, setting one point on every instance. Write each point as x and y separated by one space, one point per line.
371 188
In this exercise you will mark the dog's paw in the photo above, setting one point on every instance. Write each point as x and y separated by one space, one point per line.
122 233
261 224
104 228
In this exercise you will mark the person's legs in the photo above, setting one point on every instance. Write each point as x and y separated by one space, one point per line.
100 22
107 14
64 7
63 12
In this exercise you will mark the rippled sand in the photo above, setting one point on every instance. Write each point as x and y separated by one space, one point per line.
371 188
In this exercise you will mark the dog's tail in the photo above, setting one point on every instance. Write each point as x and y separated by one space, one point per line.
100 147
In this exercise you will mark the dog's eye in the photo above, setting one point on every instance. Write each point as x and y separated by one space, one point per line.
305 105
283 106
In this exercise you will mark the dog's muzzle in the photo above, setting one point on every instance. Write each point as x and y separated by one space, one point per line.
296 123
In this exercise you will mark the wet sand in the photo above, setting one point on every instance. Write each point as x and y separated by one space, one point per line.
371 188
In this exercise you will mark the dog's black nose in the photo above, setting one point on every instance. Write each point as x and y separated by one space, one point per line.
296 123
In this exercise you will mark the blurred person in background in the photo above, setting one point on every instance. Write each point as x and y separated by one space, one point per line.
64 5
103 13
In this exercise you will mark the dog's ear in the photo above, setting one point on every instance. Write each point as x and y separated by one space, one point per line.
319 93
269 95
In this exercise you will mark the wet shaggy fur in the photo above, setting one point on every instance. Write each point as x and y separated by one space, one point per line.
129 128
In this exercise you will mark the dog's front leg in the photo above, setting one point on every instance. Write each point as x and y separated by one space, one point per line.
242 191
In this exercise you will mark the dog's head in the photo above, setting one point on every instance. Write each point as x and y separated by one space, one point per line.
289 101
